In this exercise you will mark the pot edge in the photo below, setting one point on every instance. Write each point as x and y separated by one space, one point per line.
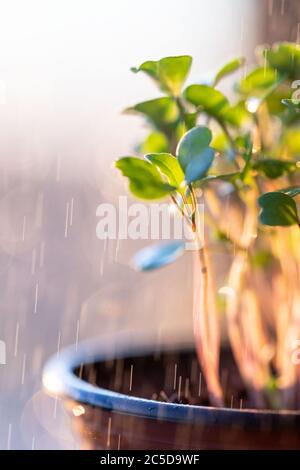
59 380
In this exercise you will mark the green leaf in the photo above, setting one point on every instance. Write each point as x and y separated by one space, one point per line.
284 57
145 181
149 67
273 168
190 120
258 81
212 101
278 208
169 166
199 166
236 115
229 68
170 72
292 192
173 71
162 112
192 144
215 104
229 177
155 142
156 256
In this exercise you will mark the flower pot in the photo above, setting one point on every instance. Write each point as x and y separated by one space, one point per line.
124 413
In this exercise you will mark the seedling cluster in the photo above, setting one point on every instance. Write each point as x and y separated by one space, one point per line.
240 157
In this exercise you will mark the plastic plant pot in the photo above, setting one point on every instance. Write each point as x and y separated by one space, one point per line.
107 419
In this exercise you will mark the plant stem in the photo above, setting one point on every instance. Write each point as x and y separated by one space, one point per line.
252 370
230 140
206 322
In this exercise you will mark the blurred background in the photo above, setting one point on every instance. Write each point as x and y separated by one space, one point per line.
64 79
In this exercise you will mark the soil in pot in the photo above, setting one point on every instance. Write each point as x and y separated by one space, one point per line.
166 377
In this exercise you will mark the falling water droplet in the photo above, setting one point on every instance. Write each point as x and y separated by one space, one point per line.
66 220
71 212
16 339
108 433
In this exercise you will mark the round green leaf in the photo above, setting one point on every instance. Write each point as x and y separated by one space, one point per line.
278 208
212 101
150 190
199 166
145 181
192 144
162 112
169 166
170 72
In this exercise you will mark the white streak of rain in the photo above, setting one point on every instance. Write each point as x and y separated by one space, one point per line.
67 220
16 339
175 376
179 387
117 249
108 433
131 376
36 297
58 342
200 385
71 211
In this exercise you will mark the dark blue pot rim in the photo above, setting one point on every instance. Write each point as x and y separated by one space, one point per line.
60 380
